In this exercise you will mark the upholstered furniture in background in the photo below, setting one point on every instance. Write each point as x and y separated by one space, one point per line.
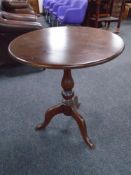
65 12
17 6
11 26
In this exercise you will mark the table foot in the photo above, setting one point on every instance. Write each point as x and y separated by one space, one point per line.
82 126
51 112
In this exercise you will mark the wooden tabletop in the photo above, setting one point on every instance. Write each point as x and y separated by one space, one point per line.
66 47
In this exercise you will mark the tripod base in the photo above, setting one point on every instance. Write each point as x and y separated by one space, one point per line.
68 111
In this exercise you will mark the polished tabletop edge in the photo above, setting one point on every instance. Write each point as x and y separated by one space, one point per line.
66 47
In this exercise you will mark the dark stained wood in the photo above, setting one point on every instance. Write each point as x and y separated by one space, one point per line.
103 12
66 48
68 107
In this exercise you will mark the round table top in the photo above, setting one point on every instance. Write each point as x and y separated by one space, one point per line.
66 47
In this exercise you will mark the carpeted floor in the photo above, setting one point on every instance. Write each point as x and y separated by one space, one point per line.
105 95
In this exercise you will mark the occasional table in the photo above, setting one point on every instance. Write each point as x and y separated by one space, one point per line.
66 48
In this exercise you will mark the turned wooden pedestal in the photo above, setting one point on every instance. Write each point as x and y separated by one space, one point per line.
68 107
